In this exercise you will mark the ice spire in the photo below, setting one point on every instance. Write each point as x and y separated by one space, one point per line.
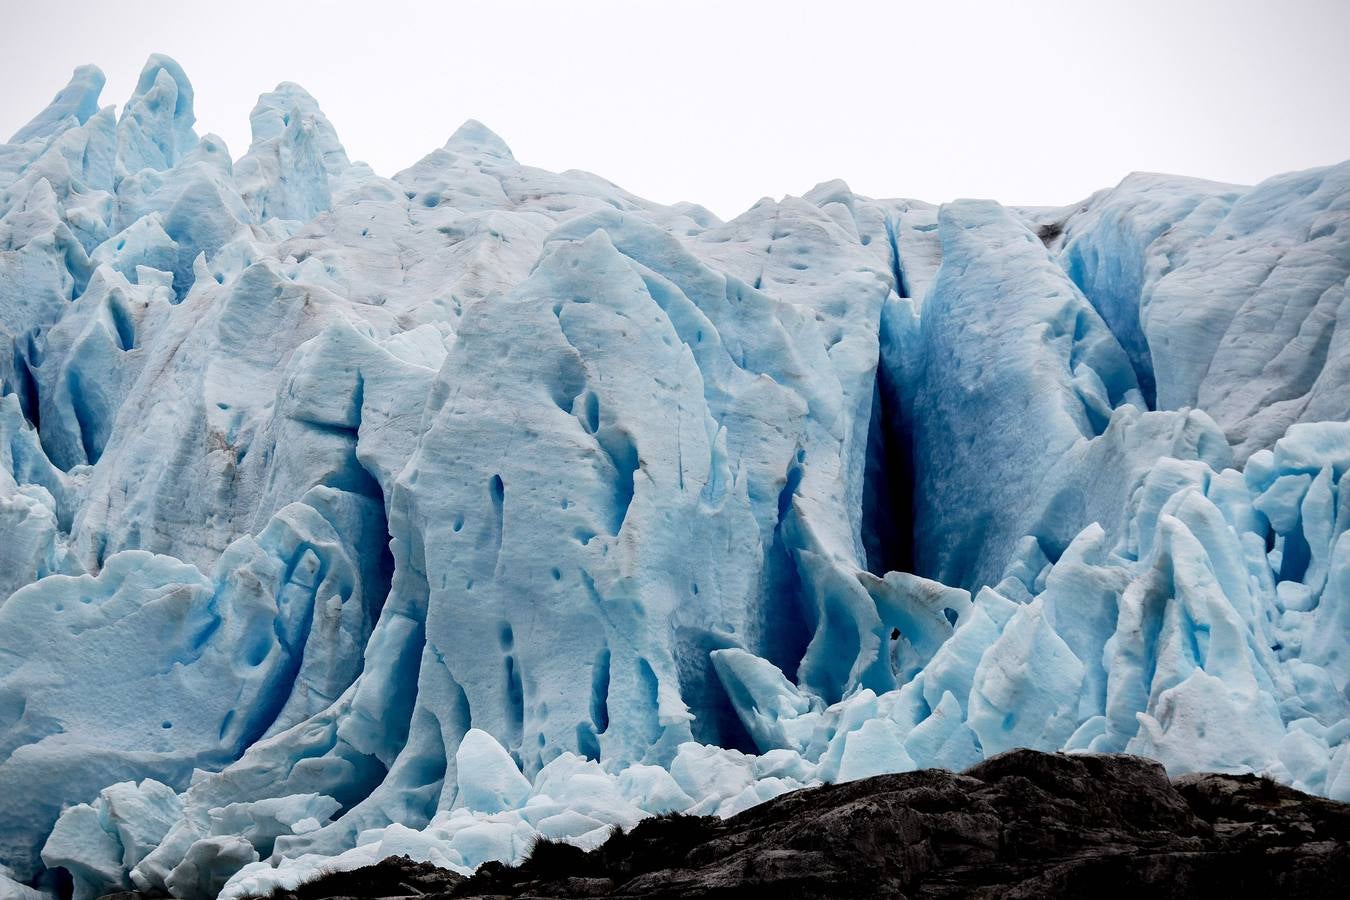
78 99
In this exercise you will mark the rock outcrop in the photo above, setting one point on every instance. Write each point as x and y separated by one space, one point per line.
1021 824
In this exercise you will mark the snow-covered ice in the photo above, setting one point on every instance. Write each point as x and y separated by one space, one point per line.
344 516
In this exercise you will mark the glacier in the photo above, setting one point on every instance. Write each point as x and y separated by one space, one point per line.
344 516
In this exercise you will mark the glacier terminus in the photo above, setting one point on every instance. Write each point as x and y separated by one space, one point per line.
345 516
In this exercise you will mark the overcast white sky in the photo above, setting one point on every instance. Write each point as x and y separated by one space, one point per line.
722 103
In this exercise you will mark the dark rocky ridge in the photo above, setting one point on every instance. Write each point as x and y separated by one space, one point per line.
1020 825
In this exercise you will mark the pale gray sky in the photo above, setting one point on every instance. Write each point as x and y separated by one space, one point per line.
722 103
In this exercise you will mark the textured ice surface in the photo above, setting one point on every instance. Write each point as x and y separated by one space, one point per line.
344 516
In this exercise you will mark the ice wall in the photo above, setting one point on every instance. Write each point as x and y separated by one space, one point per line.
344 515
